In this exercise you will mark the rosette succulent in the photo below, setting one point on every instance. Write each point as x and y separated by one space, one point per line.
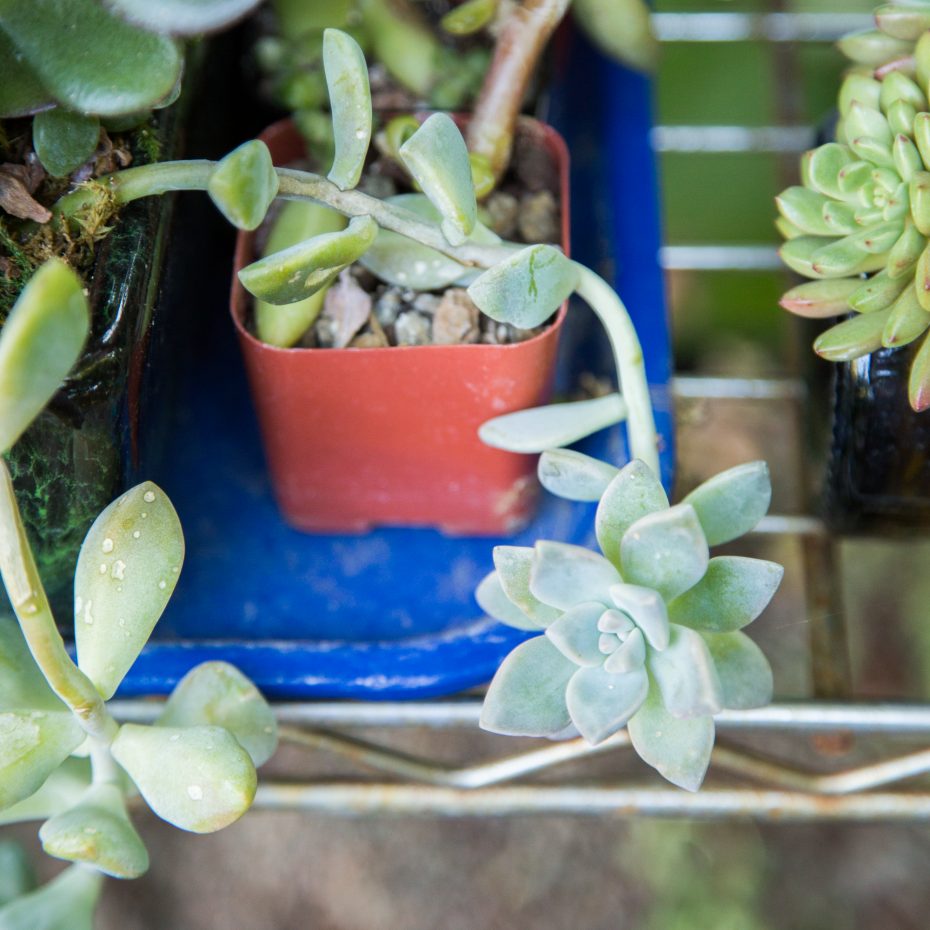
648 633
860 222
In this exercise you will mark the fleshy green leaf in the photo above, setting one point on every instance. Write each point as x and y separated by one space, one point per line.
564 575
244 184
64 140
350 103
305 268
90 59
97 831
16 875
61 790
903 21
918 385
538 429
67 902
733 502
437 158
852 338
877 293
469 17
22 685
21 91
573 475
494 602
733 592
743 670
527 695
908 319
41 340
620 28
647 610
820 299
514 565
803 208
678 749
218 694
601 703
126 572
665 551
630 656
182 17
575 634
873 48
686 675
634 493
198 778
526 288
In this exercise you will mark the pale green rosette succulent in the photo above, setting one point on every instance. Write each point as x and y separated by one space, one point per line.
646 635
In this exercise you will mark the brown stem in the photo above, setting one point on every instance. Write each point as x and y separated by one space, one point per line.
519 45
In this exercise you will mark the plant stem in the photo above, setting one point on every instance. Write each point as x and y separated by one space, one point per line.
27 596
519 45
631 370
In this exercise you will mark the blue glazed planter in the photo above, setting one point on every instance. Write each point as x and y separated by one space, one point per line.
391 614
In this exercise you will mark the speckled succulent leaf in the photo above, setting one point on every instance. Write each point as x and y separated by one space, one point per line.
299 271
849 255
564 575
574 475
877 293
127 569
64 140
16 875
634 493
67 902
686 675
665 551
40 341
540 428
601 703
33 743
919 189
21 91
526 288
647 609
244 184
907 320
218 694
862 120
197 778
821 299
859 87
90 59
527 695
922 136
678 749
905 252
182 17
852 338
732 503
60 791
493 600
804 209
576 636
743 671
469 17
733 592
918 385
922 280
798 254
437 158
514 565
350 103
823 167
97 832
873 48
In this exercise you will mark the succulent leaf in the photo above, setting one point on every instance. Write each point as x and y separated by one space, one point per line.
852 338
823 168
905 252
902 21
686 675
820 299
64 140
744 673
647 610
244 184
873 48
22 685
601 703
861 88
804 209
576 635
493 600
877 293
16 875
564 575
514 565
920 201
67 902
21 91
60 791
574 475
919 379
731 503
907 320
469 17
182 17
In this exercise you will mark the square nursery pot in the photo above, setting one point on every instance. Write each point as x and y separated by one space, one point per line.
358 437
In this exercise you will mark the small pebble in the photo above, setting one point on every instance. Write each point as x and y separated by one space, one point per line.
456 319
539 218
502 210
412 329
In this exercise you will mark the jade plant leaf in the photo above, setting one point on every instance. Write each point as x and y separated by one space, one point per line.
514 565
61 790
244 184
493 600
526 288
21 91
16 875
90 59
600 703
67 902
665 551
97 831
686 675
197 778
743 671
564 575
679 749
634 493
576 635
218 694
437 158
305 268
540 428
41 340
182 17
350 102
527 695
64 140
126 572
733 592
733 502
574 475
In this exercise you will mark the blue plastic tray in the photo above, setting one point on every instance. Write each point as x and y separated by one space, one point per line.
391 614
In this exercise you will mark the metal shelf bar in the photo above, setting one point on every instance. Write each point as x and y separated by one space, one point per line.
767 27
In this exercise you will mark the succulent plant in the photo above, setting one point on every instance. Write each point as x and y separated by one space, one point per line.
860 223
647 633
899 41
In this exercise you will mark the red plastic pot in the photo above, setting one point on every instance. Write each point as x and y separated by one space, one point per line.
357 438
